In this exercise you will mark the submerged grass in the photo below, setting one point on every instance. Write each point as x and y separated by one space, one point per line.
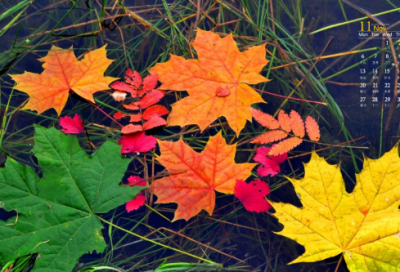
138 37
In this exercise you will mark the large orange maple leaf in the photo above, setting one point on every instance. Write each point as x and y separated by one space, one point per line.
216 82
62 73
194 176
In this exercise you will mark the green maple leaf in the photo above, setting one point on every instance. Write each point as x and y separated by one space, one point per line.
57 213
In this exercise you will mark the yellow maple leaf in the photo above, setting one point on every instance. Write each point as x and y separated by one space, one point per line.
363 225
62 73
216 82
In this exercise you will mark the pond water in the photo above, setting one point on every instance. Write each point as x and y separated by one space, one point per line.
331 66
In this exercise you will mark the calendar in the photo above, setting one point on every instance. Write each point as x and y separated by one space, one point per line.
377 69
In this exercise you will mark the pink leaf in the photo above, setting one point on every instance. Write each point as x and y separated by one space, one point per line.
252 195
140 198
71 126
135 203
269 164
137 142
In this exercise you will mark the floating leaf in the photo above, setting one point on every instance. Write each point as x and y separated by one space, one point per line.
312 129
57 213
252 195
193 176
285 146
140 198
363 225
264 119
137 142
71 126
62 73
269 164
284 121
297 124
219 64
270 136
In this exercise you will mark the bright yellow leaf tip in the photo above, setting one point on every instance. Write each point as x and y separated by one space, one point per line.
363 225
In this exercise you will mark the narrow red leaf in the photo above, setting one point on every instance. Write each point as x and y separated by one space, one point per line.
133 78
137 142
252 195
135 117
71 126
140 198
123 87
297 124
130 128
154 121
269 137
284 121
131 106
285 146
118 115
155 110
264 119
151 98
312 129
149 83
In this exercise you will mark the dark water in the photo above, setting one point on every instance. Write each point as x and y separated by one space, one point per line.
19 53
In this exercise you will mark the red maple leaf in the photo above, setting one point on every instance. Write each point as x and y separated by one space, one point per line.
140 198
71 126
269 164
137 142
252 195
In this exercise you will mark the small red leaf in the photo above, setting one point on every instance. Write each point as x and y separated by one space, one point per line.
284 121
151 98
270 136
154 121
252 195
140 198
149 83
135 117
135 203
221 92
155 110
285 146
133 78
264 119
131 106
137 142
71 126
312 129
128 129
269 164
118 115
123 87
297 124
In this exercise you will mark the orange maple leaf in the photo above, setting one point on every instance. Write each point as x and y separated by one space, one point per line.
194 176
62 73
216 82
